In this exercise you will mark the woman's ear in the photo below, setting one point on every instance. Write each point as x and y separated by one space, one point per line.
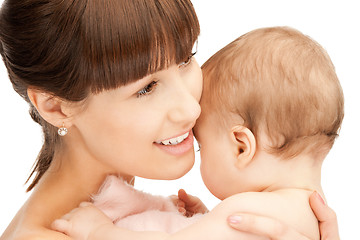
50 108
246 145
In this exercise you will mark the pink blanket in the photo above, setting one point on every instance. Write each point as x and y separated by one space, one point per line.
139 211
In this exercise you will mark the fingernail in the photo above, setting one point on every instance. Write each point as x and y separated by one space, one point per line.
320 198
182 210
235 219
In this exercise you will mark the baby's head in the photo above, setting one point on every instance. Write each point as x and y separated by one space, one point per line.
273 90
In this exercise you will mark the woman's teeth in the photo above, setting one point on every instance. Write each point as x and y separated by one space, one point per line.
174 141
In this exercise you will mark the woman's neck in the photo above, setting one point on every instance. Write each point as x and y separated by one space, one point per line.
72 177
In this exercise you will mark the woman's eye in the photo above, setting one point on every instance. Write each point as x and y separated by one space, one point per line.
187 61
147 89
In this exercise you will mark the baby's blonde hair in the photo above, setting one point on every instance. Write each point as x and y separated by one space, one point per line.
281 82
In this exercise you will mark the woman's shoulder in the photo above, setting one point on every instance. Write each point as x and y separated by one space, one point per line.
33 234
19 229
32 222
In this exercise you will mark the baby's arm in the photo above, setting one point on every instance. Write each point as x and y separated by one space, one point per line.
117 200
84 223
161 221
89 223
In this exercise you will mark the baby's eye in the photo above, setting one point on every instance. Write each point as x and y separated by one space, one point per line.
147 89
187 61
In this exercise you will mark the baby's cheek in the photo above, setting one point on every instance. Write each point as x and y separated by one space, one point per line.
205 173
212 179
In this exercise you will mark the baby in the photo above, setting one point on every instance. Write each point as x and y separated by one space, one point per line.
272 107
277 105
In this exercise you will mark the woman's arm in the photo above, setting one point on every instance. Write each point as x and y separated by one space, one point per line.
213 226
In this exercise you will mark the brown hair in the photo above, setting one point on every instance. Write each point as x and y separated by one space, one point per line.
281 82
70 48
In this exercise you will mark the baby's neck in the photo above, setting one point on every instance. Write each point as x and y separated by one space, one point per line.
301 173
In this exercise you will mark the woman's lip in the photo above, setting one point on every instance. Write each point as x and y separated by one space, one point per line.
173 136
180 148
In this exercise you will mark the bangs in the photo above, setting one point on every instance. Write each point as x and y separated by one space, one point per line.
123 41
67 48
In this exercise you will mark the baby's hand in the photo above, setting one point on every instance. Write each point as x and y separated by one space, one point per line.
190 205
83 222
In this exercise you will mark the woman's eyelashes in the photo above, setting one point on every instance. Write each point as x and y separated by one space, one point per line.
147 89
187 61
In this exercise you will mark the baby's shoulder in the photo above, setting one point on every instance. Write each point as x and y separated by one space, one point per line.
289 206
270 201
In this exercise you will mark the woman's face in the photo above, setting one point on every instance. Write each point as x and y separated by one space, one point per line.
144 128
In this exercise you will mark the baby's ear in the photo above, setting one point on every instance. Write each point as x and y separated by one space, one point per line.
246 145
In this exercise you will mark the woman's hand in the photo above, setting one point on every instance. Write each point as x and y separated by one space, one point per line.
327 218
268 227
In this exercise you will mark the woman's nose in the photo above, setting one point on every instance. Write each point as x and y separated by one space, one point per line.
185 107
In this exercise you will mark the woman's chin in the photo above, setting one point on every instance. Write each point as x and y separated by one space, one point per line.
177 172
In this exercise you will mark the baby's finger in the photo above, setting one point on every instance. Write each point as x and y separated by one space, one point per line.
67 216
182 194
176 201
182 210
85 204
264 226
180 204
187 199
61 225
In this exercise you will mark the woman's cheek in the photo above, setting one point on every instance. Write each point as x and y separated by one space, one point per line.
195 80
200 87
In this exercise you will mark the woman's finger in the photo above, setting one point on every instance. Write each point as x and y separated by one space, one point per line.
327 217
264 226
320 209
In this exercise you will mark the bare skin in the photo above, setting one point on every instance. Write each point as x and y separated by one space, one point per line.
80 166
51 199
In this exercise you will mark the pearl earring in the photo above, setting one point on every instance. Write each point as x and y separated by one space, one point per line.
62 131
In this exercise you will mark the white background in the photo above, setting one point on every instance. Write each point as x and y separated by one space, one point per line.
334 24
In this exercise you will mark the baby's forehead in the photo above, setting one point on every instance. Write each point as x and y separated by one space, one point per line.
216 119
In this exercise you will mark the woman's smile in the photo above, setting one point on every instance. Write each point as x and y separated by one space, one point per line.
174 140
177 145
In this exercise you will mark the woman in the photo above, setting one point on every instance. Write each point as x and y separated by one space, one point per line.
109 82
